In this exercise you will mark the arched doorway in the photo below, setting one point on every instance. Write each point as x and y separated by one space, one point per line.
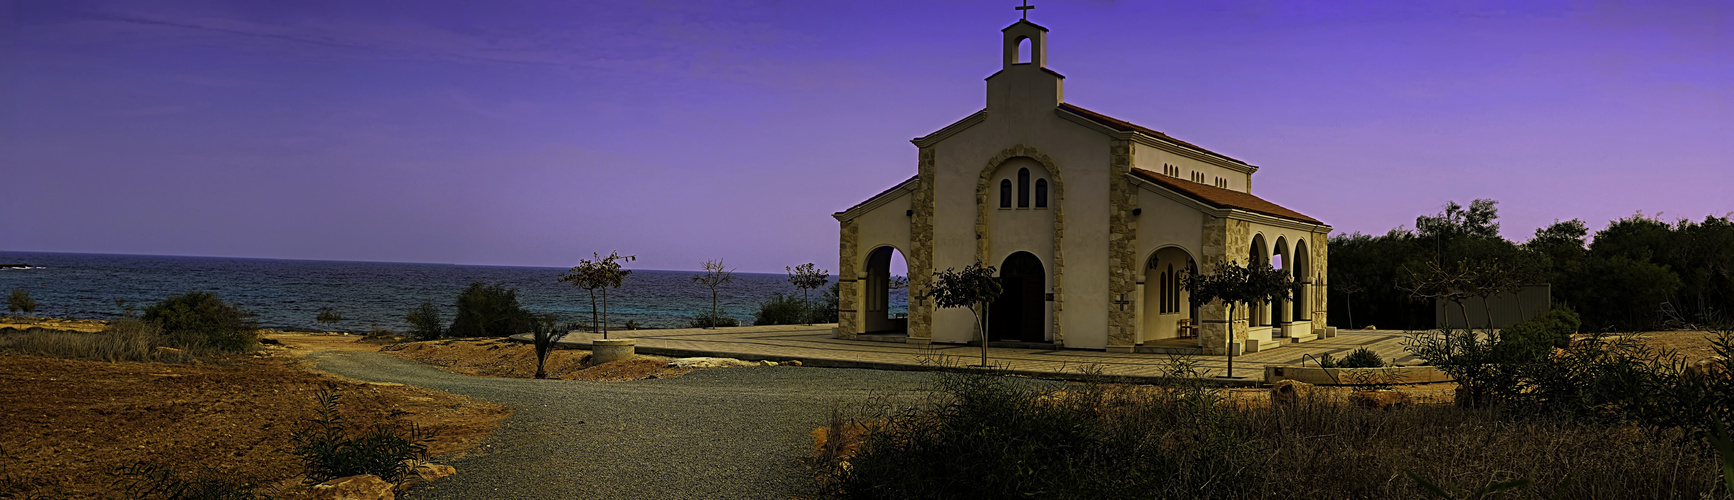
1021 310
884 303
1168 311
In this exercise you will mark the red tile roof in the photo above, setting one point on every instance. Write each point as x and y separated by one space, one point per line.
1125 126
1222 198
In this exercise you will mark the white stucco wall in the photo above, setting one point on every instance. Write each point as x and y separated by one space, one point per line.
887 224
1153 159
1022 110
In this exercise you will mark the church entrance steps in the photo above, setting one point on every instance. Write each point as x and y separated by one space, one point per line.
900 338
818 346
1302 338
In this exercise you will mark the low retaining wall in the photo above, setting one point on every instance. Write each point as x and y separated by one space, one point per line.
1343 376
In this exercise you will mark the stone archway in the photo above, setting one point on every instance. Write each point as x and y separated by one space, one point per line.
1018 314
878 299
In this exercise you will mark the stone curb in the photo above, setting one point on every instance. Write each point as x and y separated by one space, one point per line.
878 365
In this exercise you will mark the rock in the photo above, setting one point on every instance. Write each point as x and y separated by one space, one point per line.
362 487
708 363
1379 400
1711 367
1289 392
767 363
1370 327
430 472
793 362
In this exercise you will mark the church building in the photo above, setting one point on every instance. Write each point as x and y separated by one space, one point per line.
1091 222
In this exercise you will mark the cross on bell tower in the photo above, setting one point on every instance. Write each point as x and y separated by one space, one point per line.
1025 9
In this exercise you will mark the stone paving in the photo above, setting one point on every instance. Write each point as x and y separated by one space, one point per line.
816 345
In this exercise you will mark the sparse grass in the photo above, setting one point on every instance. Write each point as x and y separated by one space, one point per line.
986 436
121 340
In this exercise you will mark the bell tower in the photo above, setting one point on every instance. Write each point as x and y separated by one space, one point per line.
1024 84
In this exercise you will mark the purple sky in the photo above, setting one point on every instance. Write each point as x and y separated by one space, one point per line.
536 132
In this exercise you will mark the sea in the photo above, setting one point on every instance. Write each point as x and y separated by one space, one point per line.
289 294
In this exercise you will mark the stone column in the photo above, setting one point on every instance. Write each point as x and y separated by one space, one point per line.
1320 247
848 281
920 258
1122 247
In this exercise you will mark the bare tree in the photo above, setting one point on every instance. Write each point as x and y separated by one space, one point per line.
715 275
807 277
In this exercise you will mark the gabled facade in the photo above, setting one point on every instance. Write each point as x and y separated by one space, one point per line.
1089 219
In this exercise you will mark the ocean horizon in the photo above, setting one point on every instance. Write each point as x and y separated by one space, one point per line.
289 293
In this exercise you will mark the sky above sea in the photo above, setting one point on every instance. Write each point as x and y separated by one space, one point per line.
532 133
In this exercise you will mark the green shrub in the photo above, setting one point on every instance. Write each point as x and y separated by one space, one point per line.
197 318
1362 358
1553 328
162 481
424 321
329 449
20 301
826 310
489 311
781 309
709 320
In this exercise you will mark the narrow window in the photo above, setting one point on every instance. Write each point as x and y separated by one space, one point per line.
1005 193
1162 295
1023 50
1041 193
1023 188
1173 291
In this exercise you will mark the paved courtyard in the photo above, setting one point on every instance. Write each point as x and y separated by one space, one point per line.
816 346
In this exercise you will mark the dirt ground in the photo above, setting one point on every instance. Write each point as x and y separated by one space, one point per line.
69 423
1692 345
75 325
498 357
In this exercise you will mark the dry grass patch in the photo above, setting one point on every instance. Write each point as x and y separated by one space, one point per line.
69 423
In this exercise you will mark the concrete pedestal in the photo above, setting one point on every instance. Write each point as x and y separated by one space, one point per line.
604 351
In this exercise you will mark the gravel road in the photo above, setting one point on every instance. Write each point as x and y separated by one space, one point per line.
727 433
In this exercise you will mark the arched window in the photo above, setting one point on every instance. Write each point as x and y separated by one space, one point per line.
1005 193
1041 193
1023 188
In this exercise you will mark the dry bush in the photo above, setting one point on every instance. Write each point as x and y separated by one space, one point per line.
986 436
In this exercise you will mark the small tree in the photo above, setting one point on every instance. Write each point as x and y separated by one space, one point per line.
489 311
807 277
547 334
328 317
197 318
599 273
20 301
975 287
715 275
1235 285
424 321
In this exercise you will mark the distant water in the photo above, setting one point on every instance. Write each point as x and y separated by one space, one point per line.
290 293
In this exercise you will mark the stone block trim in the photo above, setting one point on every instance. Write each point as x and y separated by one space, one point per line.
1057 197
848 289
920 258
1122 246
1321 249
